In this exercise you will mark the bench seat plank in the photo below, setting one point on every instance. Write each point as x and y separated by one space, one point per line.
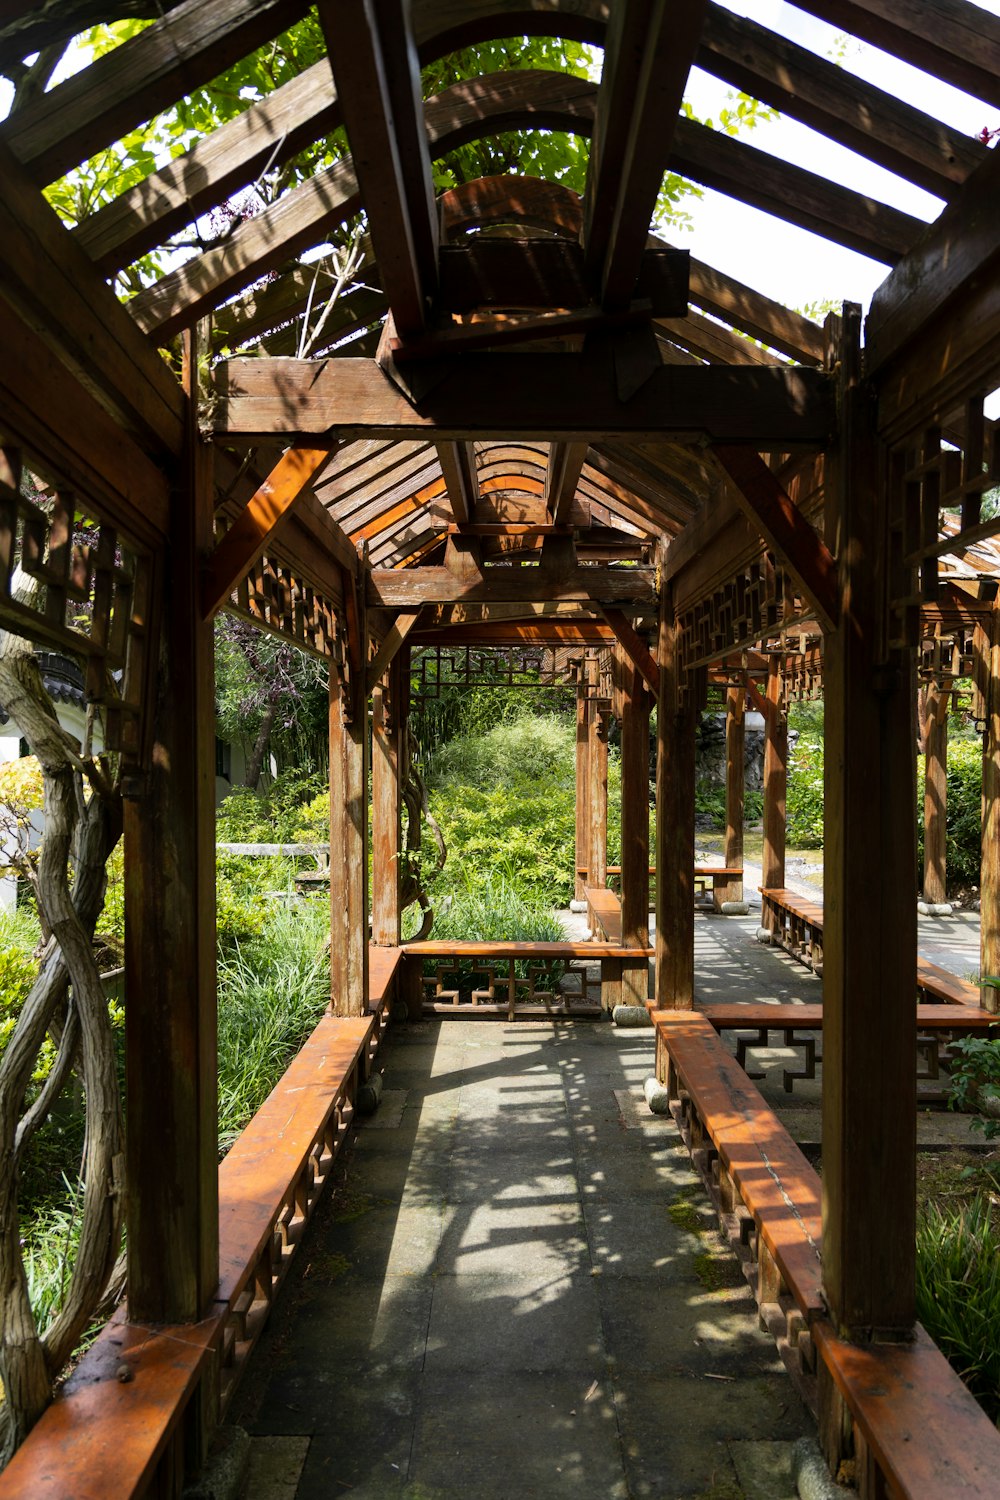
382 966
525 950
810 1017
929 1436
776 1182
606 910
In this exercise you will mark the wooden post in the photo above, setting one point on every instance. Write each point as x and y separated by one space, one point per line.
675 726
388 766
582 788
598 714
634 826
735 787
348 846
935 727
172 1155
870 918
775 777
989 882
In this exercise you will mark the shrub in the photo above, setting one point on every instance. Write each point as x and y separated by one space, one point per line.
975 1078
494 911
506 803
958 1293
805 798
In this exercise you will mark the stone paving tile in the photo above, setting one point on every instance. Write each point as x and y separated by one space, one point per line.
678 1432
638 1237
542 1241
536 1435
684 1328
515 1323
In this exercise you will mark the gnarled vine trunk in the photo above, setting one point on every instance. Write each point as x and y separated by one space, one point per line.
67 1001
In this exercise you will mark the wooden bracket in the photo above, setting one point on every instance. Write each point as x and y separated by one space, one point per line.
635 648
764 501
247 538
390 645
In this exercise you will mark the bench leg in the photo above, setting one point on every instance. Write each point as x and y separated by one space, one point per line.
611 983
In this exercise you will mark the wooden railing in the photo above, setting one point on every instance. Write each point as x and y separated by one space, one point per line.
137 1410
897 1410
508 976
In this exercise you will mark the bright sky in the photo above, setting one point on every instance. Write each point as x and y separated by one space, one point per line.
790 264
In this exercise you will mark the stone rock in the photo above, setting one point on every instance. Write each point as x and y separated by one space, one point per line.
763 934
656 1096
734 908
631 1015
369 1095
935 908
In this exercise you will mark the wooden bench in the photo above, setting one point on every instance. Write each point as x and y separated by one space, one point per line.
890 1394
796 924
936 1025
917 1434
604 910
445 999
109 1433
720 876
766 1193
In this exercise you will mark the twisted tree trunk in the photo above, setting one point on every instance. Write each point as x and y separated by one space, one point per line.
67 997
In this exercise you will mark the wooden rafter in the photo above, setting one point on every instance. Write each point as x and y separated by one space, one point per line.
952 40
562 475
93 108
378 81
458 465
648 52
830 99
550 398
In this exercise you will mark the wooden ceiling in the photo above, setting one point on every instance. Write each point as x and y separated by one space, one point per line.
510 369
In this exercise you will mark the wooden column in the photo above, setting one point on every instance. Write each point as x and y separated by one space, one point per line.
735 785
348 848
775 778
598 714
675 726
389 707
935 727
582 789
870 918
634 826
171 1169
989 884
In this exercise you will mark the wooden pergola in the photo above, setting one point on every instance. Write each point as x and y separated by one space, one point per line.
530 421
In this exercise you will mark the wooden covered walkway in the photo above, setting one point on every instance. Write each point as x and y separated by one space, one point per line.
530 424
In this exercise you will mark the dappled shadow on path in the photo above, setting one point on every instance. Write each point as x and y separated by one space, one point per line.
517 1289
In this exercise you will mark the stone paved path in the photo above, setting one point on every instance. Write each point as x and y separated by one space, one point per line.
517 1292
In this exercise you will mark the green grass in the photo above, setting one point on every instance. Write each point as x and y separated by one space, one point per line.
273 988
958 1292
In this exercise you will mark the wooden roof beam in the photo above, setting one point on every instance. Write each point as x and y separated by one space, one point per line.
409 588
562 475
766 504
547 396
791 193
375 66
389 646
829 99
92 109
511 633
57 290
957 255
648 52
458 465
948 38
